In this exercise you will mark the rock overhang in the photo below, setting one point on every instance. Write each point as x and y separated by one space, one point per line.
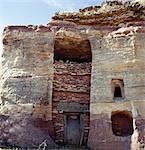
110 13
72 31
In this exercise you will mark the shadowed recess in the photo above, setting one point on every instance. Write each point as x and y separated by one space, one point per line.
122 123
72 49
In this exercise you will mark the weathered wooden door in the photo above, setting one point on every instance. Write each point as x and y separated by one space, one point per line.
72 130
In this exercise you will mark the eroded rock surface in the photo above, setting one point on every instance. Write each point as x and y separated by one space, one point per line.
26 81
20 128
75 68
109 13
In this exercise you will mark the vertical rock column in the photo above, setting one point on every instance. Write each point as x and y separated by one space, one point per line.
117 55
26 96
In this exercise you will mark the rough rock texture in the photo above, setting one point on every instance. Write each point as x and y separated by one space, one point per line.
68 43
71 86
27 55
47 71
110 13
20 128
121 56
26 81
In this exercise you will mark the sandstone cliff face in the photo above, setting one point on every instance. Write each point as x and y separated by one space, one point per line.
118 55
26 81
109 41
27 55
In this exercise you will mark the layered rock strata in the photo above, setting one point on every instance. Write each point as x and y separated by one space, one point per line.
39 90
26 94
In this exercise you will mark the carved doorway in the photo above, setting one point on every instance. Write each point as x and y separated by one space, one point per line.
73 130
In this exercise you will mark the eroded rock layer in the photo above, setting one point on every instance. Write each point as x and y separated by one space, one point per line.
109 13
27 74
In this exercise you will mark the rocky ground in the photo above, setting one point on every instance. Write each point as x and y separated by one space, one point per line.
44 148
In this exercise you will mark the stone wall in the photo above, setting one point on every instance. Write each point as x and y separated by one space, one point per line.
118 58
71 94
117 55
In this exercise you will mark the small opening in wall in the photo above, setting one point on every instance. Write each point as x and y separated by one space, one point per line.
117 92
118 89
122 123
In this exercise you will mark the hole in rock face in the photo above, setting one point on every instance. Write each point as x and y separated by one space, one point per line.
118 89
122 123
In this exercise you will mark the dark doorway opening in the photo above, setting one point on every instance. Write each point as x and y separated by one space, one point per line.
122 123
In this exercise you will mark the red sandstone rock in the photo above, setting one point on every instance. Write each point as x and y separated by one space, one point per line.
57 79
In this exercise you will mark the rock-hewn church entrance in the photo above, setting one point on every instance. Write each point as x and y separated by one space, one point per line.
72 131
71 88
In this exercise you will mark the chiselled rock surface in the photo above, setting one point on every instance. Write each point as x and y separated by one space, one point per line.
27 55
75 74
20 128
117 55
26 81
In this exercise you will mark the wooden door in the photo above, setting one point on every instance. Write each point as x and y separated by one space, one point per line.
72 130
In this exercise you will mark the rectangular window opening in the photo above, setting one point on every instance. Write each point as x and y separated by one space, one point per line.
118 89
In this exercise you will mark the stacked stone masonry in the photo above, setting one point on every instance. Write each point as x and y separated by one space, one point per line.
71 83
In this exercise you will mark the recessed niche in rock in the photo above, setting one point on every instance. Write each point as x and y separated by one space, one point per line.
118 89
73 48
122 123
71 87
